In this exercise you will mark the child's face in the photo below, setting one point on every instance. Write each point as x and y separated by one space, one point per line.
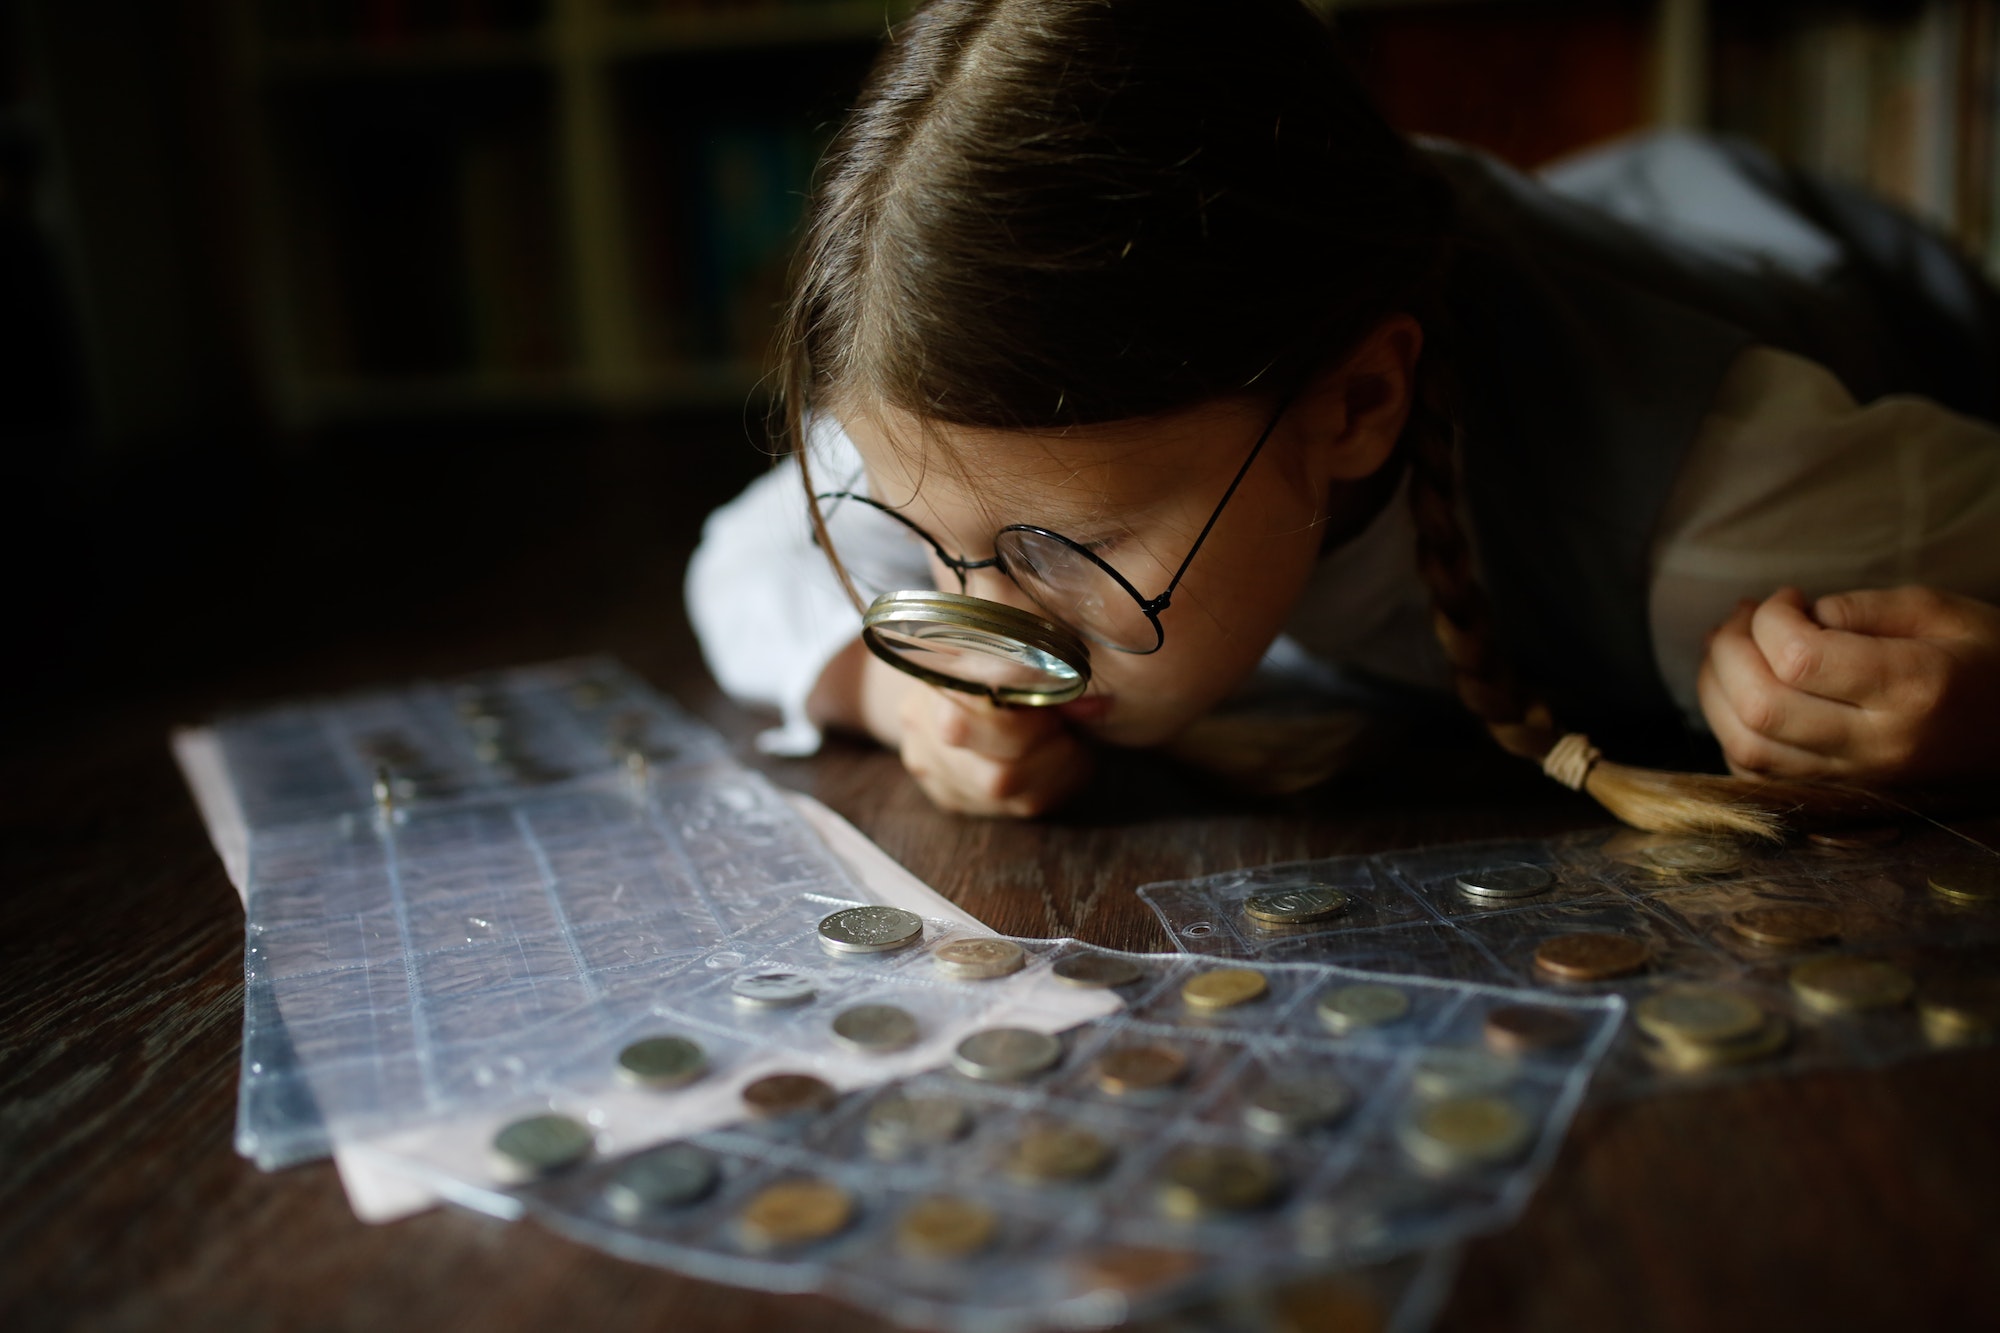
1138 493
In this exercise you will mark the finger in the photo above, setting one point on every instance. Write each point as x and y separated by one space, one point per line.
1901 613
1765 705
970 783
966 722
1832 664
1750 754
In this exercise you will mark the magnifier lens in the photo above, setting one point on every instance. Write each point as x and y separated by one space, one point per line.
983 647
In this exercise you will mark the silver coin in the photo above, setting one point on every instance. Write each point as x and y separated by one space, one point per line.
1692 857
771 990
672 1176
875 1027
1097 971
1367 1004
541 1144
1284 1107
870 930
1006 1055
1292 907
899 1124
979 959
1519 880
661 1062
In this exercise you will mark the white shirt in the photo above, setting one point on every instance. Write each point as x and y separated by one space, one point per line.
1789 480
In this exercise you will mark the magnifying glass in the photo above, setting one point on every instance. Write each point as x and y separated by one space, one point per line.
968 643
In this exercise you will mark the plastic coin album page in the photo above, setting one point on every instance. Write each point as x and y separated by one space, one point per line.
1850 947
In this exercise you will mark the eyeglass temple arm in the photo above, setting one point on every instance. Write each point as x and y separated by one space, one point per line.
1158 604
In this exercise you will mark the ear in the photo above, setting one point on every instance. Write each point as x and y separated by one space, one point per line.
1352 415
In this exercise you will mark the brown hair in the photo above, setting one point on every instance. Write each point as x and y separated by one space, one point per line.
1046 213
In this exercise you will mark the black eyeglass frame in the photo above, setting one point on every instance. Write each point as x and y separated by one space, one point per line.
1150 607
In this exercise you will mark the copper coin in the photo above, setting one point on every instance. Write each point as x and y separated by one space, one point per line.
1591 956
1518 1029
775 1096
1783 924
1133 1070
1858 839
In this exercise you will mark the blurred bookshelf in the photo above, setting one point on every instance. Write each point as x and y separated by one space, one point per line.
485 205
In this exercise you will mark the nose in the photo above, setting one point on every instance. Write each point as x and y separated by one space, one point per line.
994 586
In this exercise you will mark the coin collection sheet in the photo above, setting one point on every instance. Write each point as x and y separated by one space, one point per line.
534 942
1851 947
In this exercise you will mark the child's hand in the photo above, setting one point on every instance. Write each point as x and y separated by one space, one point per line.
1901 684
976 759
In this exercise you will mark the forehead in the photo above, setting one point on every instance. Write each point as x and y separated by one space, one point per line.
954 474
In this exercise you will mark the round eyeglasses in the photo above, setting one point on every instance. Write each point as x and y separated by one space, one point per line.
969 643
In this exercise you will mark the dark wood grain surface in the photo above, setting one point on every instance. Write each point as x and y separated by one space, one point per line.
1832 1201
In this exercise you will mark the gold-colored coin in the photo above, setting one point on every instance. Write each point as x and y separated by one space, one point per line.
979 959
1957 1011
1202 1182
1784 925
1136 1070
1697 1016
1591 956
1296 906
1053 1154
1224 988
793 1212
1461 1133
1859 839
1967 882
1767 1039
945 1226
776 1096
1845 985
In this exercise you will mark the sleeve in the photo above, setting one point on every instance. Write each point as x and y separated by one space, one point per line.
1791 481
765 603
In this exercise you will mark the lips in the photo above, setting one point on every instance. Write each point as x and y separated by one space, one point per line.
1090 708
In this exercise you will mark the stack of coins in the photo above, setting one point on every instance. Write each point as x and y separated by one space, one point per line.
1704 1027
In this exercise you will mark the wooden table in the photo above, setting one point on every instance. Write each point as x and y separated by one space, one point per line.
1829 1201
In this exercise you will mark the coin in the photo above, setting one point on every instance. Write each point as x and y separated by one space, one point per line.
793 1212
1366 1005
1293 907
661 1062
1134 1070
898 1124
771 990
1200 1182
1842 984
1697 1015
875 1028
1056 1153
979 959
945 1226
1288 1106
1767 1038
1967 882
1785 924
1589 955
671 1176
1223 988
1690 857
540 1145
1859 839
1134 1269
1459 1071
776 1096
1519 880
1960 1010
1463 1133
1005 1055
1096 971
1519 1029
870 930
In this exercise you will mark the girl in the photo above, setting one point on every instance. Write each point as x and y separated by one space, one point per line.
1134 315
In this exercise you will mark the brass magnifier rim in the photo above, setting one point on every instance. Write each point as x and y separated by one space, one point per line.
983 617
